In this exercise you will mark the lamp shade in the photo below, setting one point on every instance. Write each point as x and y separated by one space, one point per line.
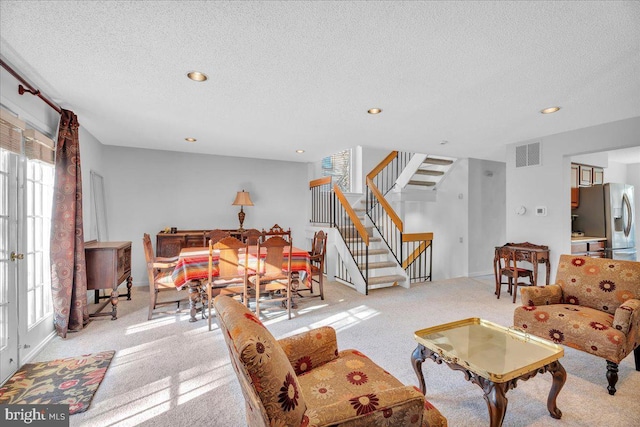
242 199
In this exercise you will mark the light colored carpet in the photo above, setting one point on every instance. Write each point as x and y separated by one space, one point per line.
169 372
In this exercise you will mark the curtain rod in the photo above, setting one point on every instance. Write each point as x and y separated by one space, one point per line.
29 89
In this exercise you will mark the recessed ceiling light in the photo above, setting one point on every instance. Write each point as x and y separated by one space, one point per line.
444 142
299 151
190 139
375 111
550 110
197 76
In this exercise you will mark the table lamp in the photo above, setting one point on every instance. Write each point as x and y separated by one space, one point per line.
242 199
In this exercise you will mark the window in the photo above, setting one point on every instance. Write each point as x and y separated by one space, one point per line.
339 167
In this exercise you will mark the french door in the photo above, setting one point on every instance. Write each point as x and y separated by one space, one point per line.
26 190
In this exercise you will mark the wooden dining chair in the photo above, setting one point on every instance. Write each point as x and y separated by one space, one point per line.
159 275
276 230
251 236
215 236
232 276
316 258
506 265
270 277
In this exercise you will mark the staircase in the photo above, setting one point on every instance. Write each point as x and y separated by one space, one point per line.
372 249
382 268
424 171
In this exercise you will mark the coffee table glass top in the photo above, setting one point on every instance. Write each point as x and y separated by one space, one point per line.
490 350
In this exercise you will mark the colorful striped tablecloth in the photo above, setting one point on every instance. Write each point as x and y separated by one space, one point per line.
193 264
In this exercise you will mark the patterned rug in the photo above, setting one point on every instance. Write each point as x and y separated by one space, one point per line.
72 381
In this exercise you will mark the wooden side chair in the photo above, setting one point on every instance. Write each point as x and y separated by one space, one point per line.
506 265
159 274
316 256
276 230
270 277
215 236
251 236
232 275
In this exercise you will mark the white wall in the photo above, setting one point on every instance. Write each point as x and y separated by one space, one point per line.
148 190
448 219
487 200
549 184
615 172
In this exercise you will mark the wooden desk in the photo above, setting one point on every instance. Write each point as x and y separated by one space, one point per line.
534 254
108 265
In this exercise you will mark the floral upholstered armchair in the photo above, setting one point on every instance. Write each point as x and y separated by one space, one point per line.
594 307
304 381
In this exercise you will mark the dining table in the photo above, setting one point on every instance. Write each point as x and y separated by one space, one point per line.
192 269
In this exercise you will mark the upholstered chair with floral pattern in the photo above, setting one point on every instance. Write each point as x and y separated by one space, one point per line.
304 380
594 307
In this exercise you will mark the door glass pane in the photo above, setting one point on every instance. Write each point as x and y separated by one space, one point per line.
39 202
4 250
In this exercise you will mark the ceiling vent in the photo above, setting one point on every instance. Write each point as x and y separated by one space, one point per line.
528 155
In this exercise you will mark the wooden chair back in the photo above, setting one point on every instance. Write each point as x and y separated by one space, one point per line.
274 259
229 264
150 259
319 246
215 236
252 236
276 230
158 274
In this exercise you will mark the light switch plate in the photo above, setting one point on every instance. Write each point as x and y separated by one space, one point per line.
541 210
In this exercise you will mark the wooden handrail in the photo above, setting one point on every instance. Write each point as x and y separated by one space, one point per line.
415 237
320 181
354 218
415 254
382 164
385 205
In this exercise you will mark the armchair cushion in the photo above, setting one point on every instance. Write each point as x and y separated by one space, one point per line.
541 295
363 394
402 407
311 349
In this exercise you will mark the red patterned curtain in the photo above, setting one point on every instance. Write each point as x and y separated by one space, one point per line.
68 269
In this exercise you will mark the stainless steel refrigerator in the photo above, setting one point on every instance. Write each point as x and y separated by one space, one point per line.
608 211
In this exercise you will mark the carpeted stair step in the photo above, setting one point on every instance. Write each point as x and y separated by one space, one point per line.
436 161
371 252
356 239
422 183
385 279
379 264
429 172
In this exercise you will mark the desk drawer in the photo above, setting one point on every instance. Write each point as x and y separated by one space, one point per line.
596 246
579 247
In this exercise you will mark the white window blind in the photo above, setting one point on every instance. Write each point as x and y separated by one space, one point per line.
38 147
11 129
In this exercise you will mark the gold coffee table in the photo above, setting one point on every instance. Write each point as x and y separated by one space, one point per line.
493 357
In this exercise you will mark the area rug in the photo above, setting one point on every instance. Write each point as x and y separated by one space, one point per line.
72 381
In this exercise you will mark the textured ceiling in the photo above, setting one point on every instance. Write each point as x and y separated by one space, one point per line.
301 75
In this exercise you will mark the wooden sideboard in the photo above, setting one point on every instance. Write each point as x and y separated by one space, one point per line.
170 244
108 265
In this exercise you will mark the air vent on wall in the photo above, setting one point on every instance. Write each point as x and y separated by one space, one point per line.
528 155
